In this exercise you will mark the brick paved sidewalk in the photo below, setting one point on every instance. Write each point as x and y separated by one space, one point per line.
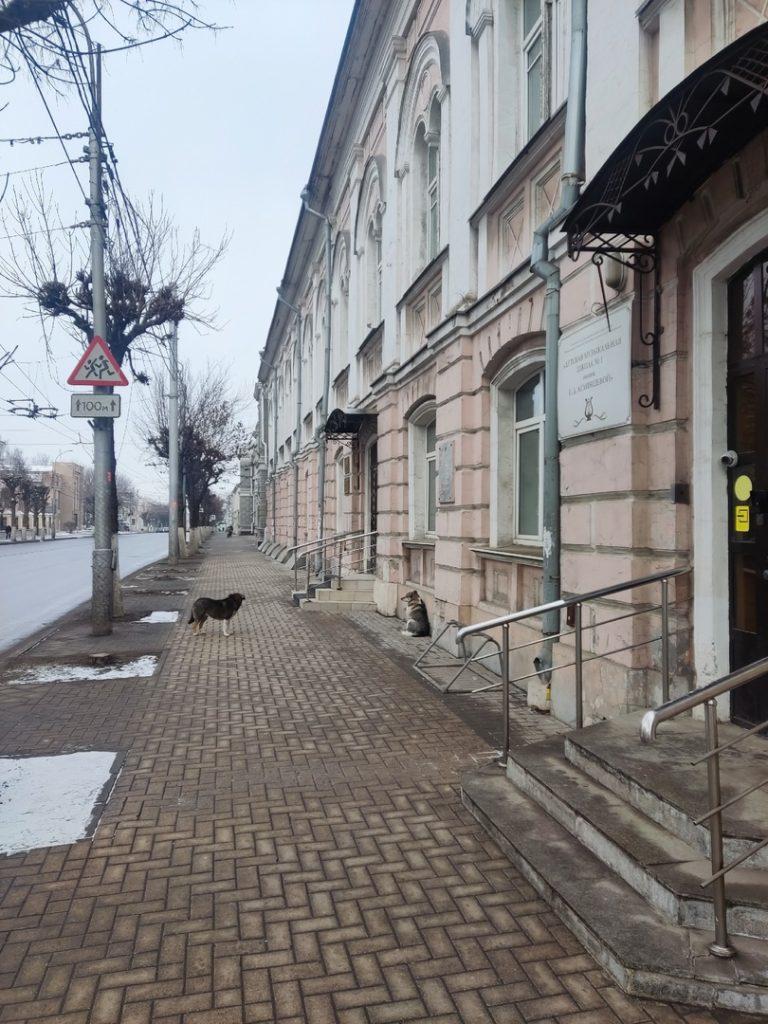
285 843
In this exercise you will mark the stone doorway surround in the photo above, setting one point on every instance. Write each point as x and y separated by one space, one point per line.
711 642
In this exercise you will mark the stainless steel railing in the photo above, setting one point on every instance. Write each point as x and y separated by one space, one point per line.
467 658
707 696
354 551
313 547
577 603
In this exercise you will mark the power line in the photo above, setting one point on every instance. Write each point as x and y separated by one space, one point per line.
38 139
45 231
45 167
59 136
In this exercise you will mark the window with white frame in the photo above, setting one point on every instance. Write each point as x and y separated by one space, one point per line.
517 447
534 86
422 472
374 261
433 195
427 198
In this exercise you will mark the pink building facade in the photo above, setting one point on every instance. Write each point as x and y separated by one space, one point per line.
440 155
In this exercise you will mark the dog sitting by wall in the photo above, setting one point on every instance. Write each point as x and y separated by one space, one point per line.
417 619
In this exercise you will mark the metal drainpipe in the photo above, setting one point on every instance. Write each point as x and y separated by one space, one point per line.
320 430
572 179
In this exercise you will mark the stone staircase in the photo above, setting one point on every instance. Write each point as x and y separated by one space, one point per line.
356 592
605 829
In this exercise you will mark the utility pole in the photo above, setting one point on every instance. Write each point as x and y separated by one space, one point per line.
173 450
101 600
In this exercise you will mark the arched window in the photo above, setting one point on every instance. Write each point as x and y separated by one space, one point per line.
368 243
340 309
422 471
307 382
373 271
517 452
422 132
426 199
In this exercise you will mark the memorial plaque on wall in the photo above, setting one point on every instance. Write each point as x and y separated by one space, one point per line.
594 375
445 473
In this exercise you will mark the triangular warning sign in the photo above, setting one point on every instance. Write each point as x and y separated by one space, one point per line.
98 367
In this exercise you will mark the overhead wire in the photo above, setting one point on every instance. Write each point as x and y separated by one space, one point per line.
52 119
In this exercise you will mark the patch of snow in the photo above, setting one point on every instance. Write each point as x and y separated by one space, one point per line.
160 617
47 801
142 667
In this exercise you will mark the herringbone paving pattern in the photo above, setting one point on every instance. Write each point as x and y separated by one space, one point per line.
285 843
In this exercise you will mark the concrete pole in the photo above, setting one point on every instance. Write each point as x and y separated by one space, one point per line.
101 599
173 449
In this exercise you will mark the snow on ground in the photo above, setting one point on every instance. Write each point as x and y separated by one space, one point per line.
140 667
160 617
47 801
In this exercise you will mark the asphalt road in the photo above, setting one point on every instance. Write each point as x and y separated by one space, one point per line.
40 582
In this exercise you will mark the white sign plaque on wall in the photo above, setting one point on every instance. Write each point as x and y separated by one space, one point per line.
594 375
445 495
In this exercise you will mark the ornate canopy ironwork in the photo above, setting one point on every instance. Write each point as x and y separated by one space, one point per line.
660 164
342 424
670 153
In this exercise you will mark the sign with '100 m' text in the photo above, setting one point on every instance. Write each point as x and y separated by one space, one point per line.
93 406
594 375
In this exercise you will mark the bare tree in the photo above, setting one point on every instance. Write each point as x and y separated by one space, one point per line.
14 473
153 280
211 436
38 500
49 36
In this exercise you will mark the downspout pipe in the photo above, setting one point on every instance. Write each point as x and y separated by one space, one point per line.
320 430
295 453
572 179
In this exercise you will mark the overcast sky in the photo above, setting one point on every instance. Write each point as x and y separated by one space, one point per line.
224 129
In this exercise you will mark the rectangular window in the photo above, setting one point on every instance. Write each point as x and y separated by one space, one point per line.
533 63
528 431
430 444
433 200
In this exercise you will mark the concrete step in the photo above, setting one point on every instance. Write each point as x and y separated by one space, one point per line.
646 954
334 606
658 865
345 595
660 779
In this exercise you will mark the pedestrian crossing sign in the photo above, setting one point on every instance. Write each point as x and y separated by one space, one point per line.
98 367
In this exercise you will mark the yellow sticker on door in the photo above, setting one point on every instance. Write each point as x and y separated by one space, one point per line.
741 518
742 487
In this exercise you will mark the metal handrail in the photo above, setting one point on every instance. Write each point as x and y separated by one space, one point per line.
468 659
707 696
341 551
570 602
316 547
671 709
320 548
577 602
318 543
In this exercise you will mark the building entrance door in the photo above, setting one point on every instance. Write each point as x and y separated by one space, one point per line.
748 482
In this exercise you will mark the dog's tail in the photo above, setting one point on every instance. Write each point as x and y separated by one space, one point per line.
191 619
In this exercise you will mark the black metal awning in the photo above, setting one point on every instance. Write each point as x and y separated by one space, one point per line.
346 424
671 152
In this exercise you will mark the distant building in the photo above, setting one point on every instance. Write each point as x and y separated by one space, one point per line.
66 499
